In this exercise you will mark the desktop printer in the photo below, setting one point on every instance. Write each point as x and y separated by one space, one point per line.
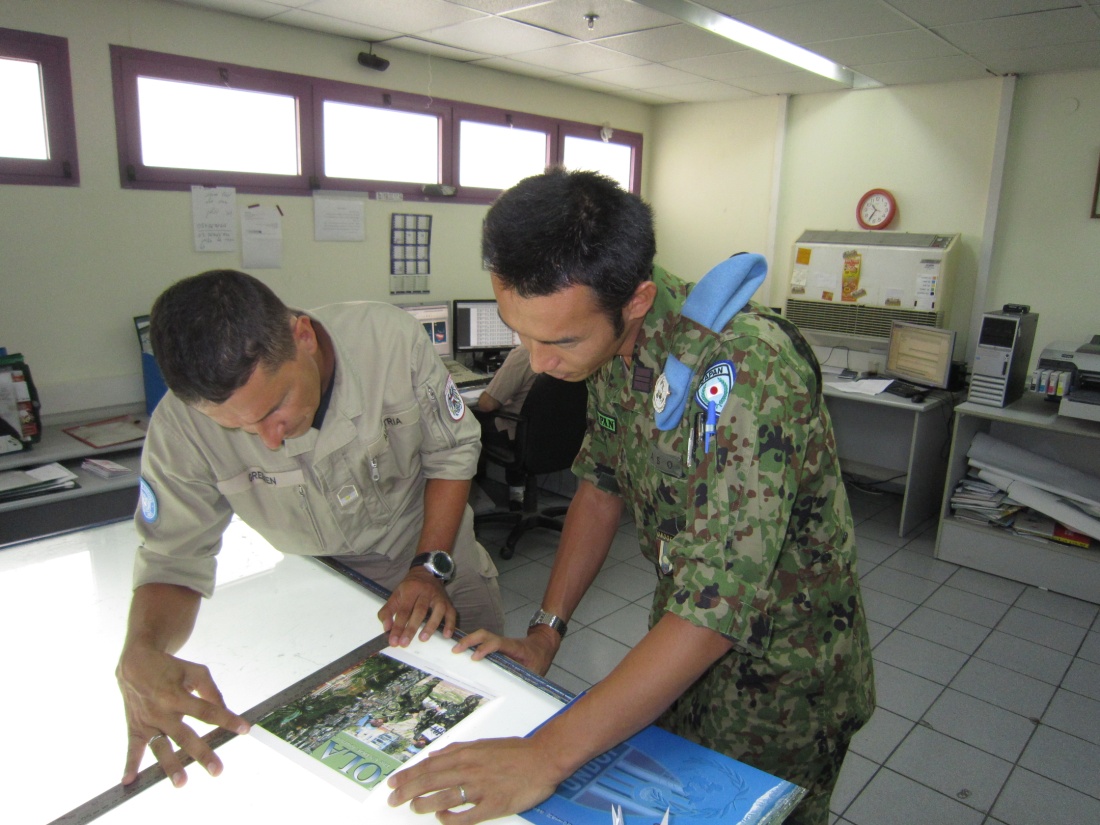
1071 376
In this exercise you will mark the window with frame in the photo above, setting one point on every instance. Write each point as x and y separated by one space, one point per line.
175 115
37 131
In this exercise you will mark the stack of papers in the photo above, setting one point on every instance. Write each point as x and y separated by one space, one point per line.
16 484
105 469
979 501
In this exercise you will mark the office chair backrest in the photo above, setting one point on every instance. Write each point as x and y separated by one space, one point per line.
553 415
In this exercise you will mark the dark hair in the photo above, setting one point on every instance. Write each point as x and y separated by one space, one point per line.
560 229
209 333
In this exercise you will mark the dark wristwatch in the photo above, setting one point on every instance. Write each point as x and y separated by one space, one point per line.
438 563
542 617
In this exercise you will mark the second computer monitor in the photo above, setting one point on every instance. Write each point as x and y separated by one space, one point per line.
436 320
920 354
477 327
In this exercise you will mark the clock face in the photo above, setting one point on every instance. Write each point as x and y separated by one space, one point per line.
876 209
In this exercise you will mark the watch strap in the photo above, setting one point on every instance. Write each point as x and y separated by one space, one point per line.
544 617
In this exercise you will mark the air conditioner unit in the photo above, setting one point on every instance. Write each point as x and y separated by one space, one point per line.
858 283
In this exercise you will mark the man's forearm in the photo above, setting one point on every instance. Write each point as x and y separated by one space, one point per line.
444 505
162 616
664 664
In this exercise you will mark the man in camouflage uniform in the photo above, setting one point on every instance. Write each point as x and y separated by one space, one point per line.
706 418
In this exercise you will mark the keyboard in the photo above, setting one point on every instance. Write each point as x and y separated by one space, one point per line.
463 376
903 389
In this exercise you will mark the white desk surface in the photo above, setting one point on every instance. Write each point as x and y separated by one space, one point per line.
834 389
272 621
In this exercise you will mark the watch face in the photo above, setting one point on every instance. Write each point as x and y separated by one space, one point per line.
444 565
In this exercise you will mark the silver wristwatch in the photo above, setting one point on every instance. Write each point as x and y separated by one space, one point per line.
438 563
542 617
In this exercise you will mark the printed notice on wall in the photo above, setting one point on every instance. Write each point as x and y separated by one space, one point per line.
213 218
338 219
261 237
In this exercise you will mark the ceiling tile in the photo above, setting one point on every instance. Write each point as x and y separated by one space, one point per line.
671 43
1063 58
579 58
261 9
613 17
331 25
406 16
496 36
790 83
932 13
644 77
1046 28
708 91
507 64
729 68
936 70
496 6
736 8
416 44
639 95
827 20
880 48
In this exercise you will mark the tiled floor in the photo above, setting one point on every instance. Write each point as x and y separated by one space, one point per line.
988 690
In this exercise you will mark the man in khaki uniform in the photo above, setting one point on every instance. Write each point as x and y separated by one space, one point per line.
336 432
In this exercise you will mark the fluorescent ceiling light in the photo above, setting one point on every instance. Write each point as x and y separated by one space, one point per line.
761 41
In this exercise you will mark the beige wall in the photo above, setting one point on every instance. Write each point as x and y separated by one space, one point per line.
1047 249
79 263
711 181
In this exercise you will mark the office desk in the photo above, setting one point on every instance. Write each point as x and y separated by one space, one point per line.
884 437
272 621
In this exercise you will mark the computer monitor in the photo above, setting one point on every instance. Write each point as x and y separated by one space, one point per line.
920 354
478 327
436 320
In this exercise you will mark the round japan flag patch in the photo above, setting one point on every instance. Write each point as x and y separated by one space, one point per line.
716 386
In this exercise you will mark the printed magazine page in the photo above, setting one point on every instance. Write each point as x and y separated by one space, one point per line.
358 726
654 772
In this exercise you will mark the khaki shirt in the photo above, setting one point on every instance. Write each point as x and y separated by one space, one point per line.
395 419
510 386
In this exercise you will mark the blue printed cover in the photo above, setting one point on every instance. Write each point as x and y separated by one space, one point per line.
655 771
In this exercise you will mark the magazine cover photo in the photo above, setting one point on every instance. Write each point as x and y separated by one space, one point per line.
370 719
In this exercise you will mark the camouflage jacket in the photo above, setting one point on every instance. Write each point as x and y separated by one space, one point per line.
751 536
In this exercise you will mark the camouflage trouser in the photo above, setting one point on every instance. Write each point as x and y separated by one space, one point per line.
777 723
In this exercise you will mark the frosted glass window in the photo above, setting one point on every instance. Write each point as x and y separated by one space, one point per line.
496 157
23 133
197 126
371 143
611 159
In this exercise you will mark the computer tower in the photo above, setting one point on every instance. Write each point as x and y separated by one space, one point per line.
1002 357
